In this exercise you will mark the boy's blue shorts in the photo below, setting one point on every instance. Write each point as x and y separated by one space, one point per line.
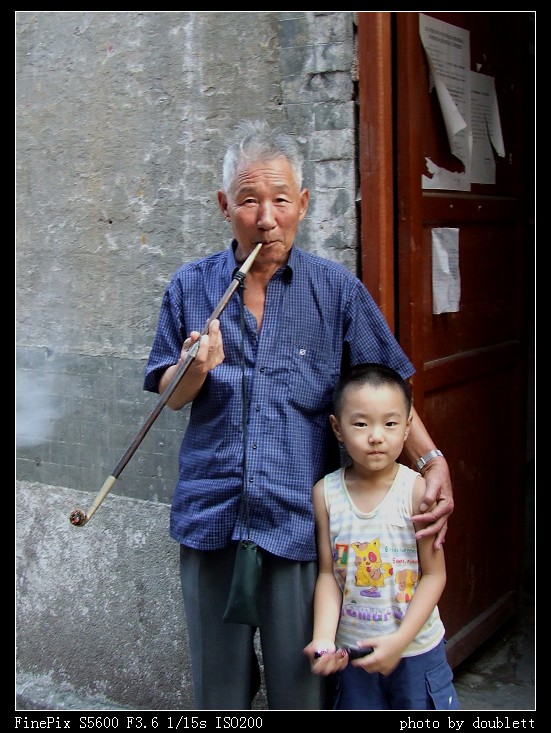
424 682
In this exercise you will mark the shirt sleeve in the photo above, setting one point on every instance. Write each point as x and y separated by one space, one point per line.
167 344
368 336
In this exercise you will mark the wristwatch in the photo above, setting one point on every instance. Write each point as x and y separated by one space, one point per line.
422 462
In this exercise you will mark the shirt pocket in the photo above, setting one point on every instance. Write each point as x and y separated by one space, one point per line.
313 375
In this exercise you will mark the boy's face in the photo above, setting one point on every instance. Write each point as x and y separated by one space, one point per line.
373 424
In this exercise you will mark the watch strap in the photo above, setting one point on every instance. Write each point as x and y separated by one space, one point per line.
422 462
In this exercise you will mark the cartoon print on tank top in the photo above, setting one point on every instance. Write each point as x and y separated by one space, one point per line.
371 572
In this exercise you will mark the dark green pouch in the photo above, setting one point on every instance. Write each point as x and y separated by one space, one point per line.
243 602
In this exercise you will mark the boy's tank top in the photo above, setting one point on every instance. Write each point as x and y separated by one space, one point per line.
375 562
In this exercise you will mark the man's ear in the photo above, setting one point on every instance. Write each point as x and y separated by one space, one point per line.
304 200
223 204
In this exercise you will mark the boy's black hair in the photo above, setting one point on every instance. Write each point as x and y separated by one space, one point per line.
373 374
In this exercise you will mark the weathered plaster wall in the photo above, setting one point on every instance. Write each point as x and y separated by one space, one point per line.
121 122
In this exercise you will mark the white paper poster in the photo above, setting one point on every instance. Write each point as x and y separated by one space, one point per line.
447 48
446 281
469 106
486 124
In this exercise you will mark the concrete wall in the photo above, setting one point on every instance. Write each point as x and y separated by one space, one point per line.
121 120
100 615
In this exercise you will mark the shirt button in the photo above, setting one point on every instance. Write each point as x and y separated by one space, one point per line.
262 370
254 446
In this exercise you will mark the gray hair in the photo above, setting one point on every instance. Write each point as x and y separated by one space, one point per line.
255 140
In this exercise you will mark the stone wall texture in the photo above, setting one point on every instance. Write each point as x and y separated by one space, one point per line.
121 118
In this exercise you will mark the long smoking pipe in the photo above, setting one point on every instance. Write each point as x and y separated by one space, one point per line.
79 517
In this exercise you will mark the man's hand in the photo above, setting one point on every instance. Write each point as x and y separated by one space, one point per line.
437 504
209 354
211 349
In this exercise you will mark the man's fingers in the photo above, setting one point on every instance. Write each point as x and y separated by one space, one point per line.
437 529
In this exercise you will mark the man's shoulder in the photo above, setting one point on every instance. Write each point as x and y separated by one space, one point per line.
312 261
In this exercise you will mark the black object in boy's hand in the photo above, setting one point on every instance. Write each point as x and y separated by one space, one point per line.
356 652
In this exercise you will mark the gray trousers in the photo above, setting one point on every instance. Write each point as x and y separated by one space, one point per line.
225 666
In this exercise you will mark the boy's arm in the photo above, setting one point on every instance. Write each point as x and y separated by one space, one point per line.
431 585
327 596
324 659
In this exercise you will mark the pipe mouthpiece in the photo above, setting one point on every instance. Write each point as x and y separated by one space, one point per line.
246 266
78 517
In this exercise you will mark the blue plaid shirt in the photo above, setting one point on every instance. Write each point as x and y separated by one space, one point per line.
317 313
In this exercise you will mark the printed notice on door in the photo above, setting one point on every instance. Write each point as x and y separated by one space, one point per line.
486 124
447 48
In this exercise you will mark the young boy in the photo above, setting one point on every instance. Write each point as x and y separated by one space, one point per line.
378 587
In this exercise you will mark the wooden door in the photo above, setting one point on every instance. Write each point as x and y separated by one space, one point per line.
470 383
